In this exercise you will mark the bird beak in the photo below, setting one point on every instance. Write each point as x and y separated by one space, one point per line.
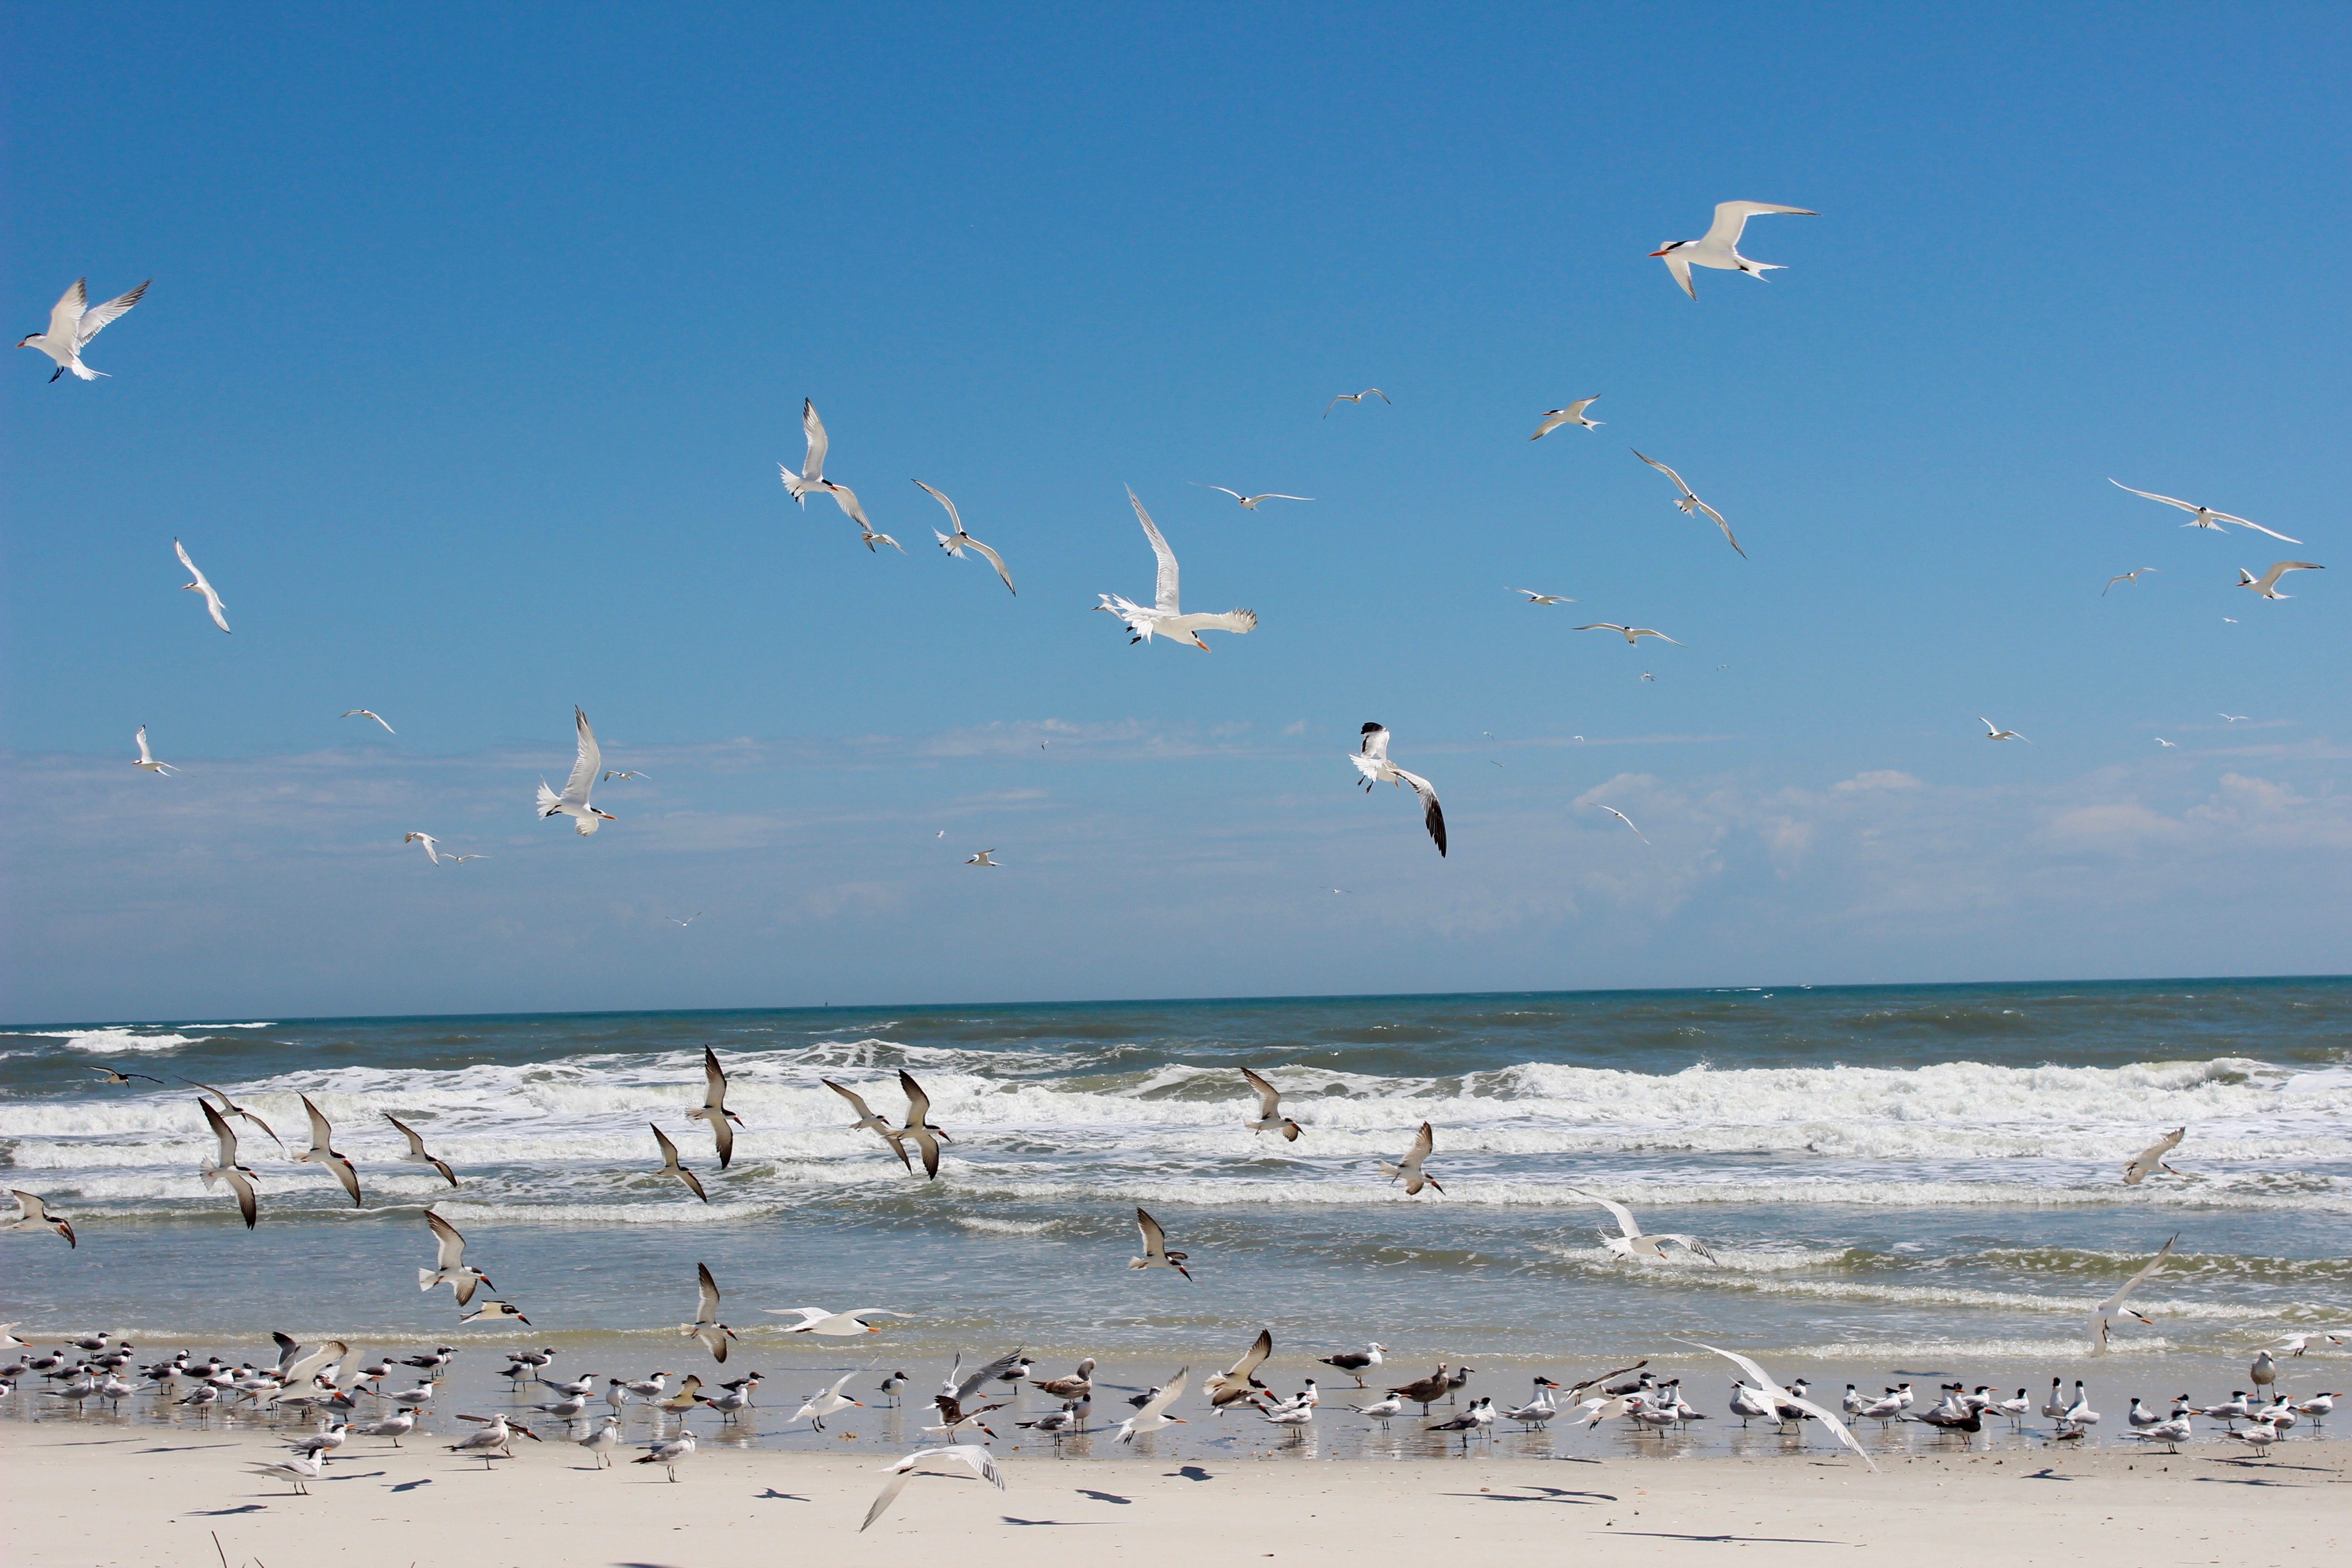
1661 252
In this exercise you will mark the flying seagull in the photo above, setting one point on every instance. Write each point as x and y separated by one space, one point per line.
1155 1248
2232 718
114 1076
32 1214
432 846
670 1167
1372 766
971 1455
228 1109
2204 516
449 1263
1995 732
1774 1394
321 1152
1536 598
714 1110
574 801
1416 1178
877 1124
1270 1118
1690 504
828 1324
1631 1243
1153 1415
706 1327
2150 1159
612 774
73 321
418 1154
2108 1310
1343 398
1633 635
1719 247
201 585
1623 818
369 713
225 1167
955 543
682 924
2130 577
983 859
2267 583
1163 617
1573 414
146 759
1249 503
812 477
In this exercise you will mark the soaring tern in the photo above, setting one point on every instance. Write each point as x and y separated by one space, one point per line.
2205 516
115 1075
670 1167
1165 616
369 713
983 859
1573 414
146 759
1373 767
1409 1168
1776 1395
322 1135
1633 634
1625 819
714 1110
957 542
225 1167
201 585
971 1455
2131 577
879 1125
2267 583
417 1154
1155 1247
1249 503
240 1111
826 1324
1343 398
919 1111
1270 1118
73 321
812 477
2150 1159
449 1263
432 844
1719 247
32 1214
1995 732
2107 1310
1631 1243
574 801
1536 598
1691 504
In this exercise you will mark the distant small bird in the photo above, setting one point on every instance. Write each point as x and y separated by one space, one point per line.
1553 418
971 1455
1623 818
1155 1248
983 859
1536 598
1995 732
1409 1168
114 1077
2131 577
73 321
32 1214
2162 741
1633 635
2267 583
369 713
146 759
432 846
1343 398
1691 504
1249 503
1719 247
2205 516
201 585
688 922
2232 718
615 773
956 544
670 1167
1373 767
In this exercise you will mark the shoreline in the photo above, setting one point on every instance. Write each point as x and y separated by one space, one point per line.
61 1492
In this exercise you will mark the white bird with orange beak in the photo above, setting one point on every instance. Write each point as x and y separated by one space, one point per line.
1164 617
574 801
1719 247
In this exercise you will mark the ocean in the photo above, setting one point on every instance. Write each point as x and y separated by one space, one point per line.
1893 1180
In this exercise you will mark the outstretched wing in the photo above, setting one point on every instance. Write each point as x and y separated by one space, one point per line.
1623 1216
1422 1144
899 1477
1720 523
323 1131
96 316
223 1132
847 501
1168 1395
812 466
2257 528
953 516
1661 467
978 1380
1269 1099
714 1080
65 314
1155 1240
1731 217
584 766
993 559
452 1252
1164 591
865 1111
918 1104
2151 495
1375 743
2133 1283
1431 818
708 1311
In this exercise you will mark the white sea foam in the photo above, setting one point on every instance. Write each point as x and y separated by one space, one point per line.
113 1042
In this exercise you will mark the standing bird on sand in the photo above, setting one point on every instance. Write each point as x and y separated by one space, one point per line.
812 477
971 1455
670 1167
1372 766
956 544
225 1167
670 1453
449 1266
926 1137
878 1125
1355 1363
714 1110
319 1152
1270 1118
601 1442
1409 1168
1719 247
1165 616
1573 414
417 1154
146 759
2108 1310
73 321
574 801
495 1439
1155 1248
2150 1159
705 1326
1690 504
32 1214
201 585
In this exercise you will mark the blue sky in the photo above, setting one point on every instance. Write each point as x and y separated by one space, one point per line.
475 339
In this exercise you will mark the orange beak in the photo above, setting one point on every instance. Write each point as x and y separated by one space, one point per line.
1660 252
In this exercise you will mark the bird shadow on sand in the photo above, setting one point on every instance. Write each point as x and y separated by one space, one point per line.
191 1447
1192 1473
1015 1519
1101 1497
1743 1540
220 1512
773 1495
2044 1474
410 1486
1525 1493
